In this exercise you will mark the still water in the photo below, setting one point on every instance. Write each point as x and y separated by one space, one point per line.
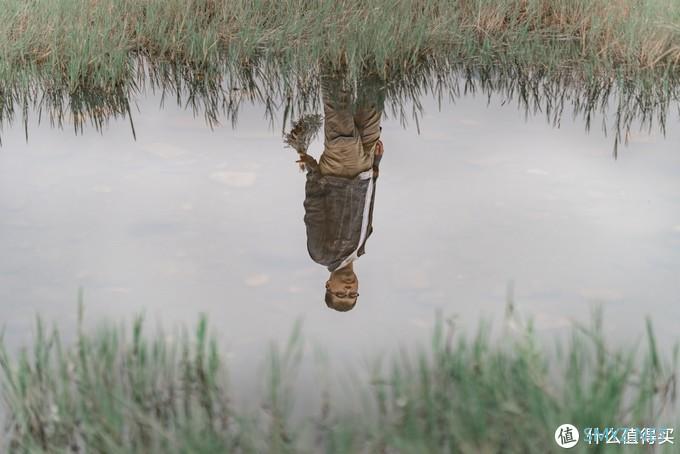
186 219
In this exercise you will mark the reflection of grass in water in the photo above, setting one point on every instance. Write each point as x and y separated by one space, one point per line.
80 61
111 392
73 43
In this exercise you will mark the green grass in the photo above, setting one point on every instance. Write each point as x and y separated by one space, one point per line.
95 42
113 391
80 61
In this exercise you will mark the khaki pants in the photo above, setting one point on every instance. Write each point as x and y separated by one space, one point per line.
349 137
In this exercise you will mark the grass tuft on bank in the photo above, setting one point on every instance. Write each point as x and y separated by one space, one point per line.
115 391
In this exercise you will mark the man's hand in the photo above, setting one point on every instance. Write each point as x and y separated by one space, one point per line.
306 160
377 156
379 149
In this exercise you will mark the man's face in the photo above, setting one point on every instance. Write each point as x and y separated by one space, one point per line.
343 285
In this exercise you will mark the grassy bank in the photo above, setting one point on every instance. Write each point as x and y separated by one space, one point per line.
75 42
84 61
116 392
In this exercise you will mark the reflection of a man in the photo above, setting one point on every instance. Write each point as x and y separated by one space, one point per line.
340 190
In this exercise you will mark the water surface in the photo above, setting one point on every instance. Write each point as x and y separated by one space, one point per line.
186 219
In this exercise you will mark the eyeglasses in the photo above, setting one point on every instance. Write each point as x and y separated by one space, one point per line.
344 294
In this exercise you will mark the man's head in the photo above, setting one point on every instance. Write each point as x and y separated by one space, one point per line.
342 289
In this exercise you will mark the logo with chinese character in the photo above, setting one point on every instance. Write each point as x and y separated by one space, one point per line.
566 436
628 435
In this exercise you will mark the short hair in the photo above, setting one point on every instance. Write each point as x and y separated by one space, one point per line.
332 303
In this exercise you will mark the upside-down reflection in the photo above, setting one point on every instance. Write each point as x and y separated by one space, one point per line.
340 187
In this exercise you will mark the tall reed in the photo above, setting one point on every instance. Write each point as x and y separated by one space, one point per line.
117 391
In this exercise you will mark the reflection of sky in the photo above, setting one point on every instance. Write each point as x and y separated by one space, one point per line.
188 220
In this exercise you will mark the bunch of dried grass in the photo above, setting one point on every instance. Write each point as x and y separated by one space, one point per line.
303 132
